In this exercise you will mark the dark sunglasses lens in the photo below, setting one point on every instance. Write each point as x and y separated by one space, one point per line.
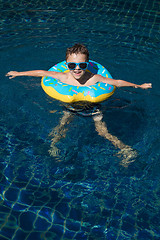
71 65
83 65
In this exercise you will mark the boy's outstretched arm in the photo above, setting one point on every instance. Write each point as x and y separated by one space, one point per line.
34 73
122 83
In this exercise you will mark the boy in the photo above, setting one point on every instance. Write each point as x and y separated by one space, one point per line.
77 58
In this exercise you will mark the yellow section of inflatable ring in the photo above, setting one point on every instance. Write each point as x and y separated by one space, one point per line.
76 97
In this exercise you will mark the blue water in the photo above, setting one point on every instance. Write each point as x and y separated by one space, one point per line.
85 192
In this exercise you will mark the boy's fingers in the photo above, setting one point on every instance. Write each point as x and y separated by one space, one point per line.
9 74
150 85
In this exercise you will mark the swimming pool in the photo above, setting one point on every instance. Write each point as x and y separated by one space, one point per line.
85 192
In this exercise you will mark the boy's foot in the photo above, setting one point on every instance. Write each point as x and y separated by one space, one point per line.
54 151
128 156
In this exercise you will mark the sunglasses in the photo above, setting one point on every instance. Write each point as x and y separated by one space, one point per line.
81 65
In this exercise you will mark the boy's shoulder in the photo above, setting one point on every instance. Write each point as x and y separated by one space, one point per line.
95 78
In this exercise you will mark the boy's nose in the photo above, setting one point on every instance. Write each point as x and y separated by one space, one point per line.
77 67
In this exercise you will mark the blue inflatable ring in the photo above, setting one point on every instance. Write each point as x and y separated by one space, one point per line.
69 93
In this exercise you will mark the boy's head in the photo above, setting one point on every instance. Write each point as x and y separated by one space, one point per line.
77 58
78 49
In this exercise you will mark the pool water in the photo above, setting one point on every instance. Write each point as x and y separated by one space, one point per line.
85 191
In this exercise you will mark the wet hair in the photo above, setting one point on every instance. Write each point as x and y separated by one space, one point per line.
78 48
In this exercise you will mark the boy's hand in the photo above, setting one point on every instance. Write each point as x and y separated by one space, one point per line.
146 85
12 74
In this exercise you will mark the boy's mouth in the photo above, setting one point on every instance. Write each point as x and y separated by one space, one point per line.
77 72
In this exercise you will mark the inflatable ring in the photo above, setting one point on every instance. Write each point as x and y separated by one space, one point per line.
69 93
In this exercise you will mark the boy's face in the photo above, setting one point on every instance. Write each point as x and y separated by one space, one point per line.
77 73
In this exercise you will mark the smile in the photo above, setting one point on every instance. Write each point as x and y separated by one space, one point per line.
77 72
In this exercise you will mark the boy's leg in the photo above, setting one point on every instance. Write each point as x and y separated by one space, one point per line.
59 132
125 151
